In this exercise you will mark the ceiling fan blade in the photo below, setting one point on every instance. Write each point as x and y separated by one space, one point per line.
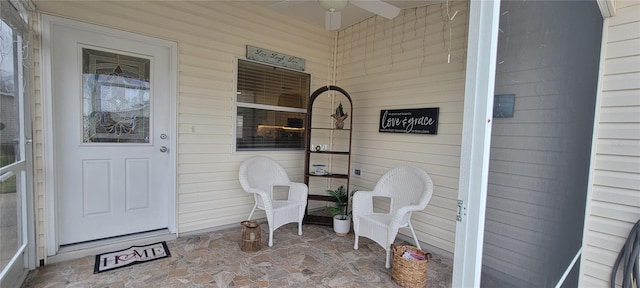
286 4
383 9
332 20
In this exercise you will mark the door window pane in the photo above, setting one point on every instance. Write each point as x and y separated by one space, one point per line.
9 101
116 97
13 131
10 219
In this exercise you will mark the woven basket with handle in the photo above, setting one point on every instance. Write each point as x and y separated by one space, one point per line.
409 273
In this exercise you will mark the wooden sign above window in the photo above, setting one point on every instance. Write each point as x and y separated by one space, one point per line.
274 58
411 121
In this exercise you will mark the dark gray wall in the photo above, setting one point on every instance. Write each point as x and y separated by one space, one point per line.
548 56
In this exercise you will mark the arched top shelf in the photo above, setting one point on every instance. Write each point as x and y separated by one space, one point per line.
323 89
341 153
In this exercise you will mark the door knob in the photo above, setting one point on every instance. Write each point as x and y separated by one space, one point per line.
164 149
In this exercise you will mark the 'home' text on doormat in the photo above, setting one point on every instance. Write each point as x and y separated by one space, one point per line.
130 256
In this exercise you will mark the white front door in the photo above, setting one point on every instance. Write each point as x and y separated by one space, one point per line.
111 129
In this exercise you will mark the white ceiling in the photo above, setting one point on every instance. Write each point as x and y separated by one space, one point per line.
310 10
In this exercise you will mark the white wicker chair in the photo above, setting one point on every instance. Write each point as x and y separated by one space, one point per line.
408 189
258 175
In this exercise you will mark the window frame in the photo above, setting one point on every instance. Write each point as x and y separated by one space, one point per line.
237 104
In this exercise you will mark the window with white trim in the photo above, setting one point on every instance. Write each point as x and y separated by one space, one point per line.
271 107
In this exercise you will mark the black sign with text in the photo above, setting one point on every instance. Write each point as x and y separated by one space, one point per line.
412 121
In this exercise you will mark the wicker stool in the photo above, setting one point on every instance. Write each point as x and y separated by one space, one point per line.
409 273
251 240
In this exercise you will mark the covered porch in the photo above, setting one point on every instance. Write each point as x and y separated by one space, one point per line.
525 200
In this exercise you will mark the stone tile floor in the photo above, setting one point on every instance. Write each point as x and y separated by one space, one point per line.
318 258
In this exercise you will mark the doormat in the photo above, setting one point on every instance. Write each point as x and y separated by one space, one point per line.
130 256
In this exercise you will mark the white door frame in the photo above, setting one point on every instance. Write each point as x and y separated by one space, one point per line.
51 220
476 141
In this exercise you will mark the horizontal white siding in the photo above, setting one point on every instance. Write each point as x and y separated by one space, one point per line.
401 64
210 34
615 194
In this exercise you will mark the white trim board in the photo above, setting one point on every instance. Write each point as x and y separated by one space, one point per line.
607 8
